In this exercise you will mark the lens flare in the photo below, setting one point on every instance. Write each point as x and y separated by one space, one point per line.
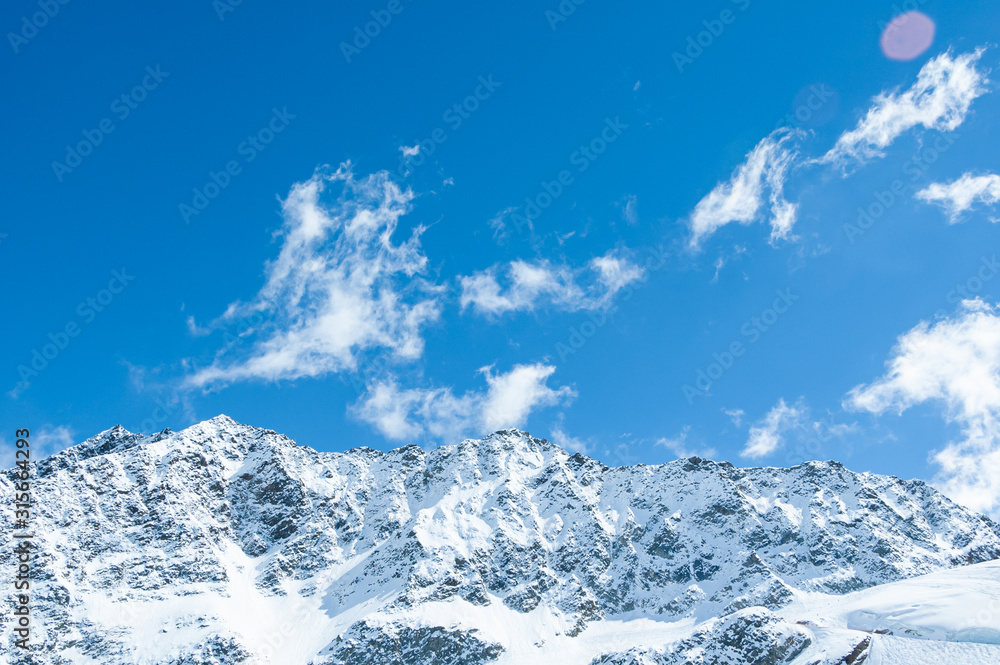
907 36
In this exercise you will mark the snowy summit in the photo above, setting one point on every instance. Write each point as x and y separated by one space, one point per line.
225 543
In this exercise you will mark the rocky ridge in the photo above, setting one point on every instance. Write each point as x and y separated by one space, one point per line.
225 543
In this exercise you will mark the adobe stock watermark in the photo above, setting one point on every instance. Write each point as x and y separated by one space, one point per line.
367 373
58 341
122 107
454 117
161 412
983 624
986 271
243 329
581 158
30 25
622 455
887 198
698 43
223 7
579 335
364 34
562 12
752 330
236 336
248 150
812 448
897 11
374 366
813 105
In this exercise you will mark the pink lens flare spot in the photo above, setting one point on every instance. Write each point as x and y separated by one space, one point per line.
907 36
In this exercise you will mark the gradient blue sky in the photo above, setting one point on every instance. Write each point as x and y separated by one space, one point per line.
209 79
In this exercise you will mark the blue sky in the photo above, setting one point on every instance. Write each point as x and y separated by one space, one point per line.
559 217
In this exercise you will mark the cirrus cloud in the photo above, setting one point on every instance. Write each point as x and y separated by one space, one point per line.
741 198
939 99
341 284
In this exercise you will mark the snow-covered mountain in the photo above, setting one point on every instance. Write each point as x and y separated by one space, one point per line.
226 543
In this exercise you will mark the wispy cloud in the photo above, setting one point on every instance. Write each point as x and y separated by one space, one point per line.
767 435
573 444
340 284
736 415
499 224
961 195
741 198
524 286
956 363
630 212
940 99
680 447
416 413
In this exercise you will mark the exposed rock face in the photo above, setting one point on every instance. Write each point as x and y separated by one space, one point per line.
225 543
749 637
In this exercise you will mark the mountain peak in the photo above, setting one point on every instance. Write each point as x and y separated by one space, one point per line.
511 436
425 549
222 420
110 440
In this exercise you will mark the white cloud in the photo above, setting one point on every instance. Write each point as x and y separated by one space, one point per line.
718 265
499 224
45 441
680 448
961 195
410 151
564 440
523 285
528 283
768 434
629 210
736 415
615 273
195 330
940 99
741 198
512 396
339 285
956 363
438 413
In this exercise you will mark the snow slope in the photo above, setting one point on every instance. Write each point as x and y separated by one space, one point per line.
226 543
901 651
960 605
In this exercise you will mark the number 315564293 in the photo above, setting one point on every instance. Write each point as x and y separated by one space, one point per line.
23 457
